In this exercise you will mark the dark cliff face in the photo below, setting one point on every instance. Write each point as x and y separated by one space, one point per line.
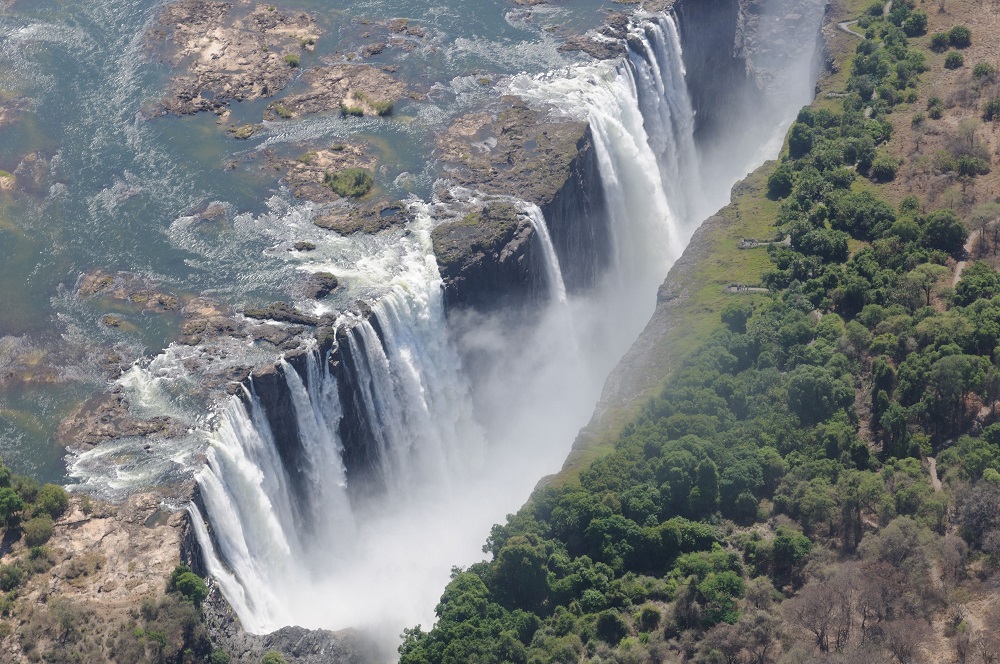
489 258
494 264
716 69
577 217
347 361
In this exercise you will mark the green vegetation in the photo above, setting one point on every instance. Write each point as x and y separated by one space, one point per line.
983 70
350 182
379 107
292 60
347 109
243 132
281 111
785 452
954 60
272 657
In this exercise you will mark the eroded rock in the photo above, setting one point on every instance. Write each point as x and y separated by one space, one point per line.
233 51
351 89
107 416
487 256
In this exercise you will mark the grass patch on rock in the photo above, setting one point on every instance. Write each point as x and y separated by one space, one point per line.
350 182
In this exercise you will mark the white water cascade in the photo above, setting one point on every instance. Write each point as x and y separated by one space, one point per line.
553 273
305 545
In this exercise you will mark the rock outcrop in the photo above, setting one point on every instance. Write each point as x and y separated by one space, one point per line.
351 89
548 161
101 562
234 51
488 258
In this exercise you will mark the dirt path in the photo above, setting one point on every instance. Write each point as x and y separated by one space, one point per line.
845 26
961 264
935 481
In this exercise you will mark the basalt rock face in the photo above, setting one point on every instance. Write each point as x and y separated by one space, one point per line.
489 258
341 351
716 68
551 162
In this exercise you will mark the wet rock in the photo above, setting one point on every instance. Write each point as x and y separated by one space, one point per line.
129 288
107 416
366 219
234 51
351 89
11 108
296 644
320 284
282 336
282 312
304 246
196 331
487 257
601 49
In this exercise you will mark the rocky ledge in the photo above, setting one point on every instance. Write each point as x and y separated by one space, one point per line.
540 158
233 51
487 258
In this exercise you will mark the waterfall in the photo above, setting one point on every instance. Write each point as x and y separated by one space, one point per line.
553 273
397 471
281 519
658 68
643 125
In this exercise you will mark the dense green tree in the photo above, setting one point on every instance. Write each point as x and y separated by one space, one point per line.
943 230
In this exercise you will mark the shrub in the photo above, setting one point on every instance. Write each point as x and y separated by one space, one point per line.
915 24
983 70
971 166
38 530
940 42
219 657
350 182
611 627
800 140
292 60
935 108
347 109
779 183
10 577
991 110
10 505
954 60
960 37
943 230
272 657
188 584
649 618
884 169
52 500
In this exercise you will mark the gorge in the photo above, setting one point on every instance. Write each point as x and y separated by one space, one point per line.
349 448
358 464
